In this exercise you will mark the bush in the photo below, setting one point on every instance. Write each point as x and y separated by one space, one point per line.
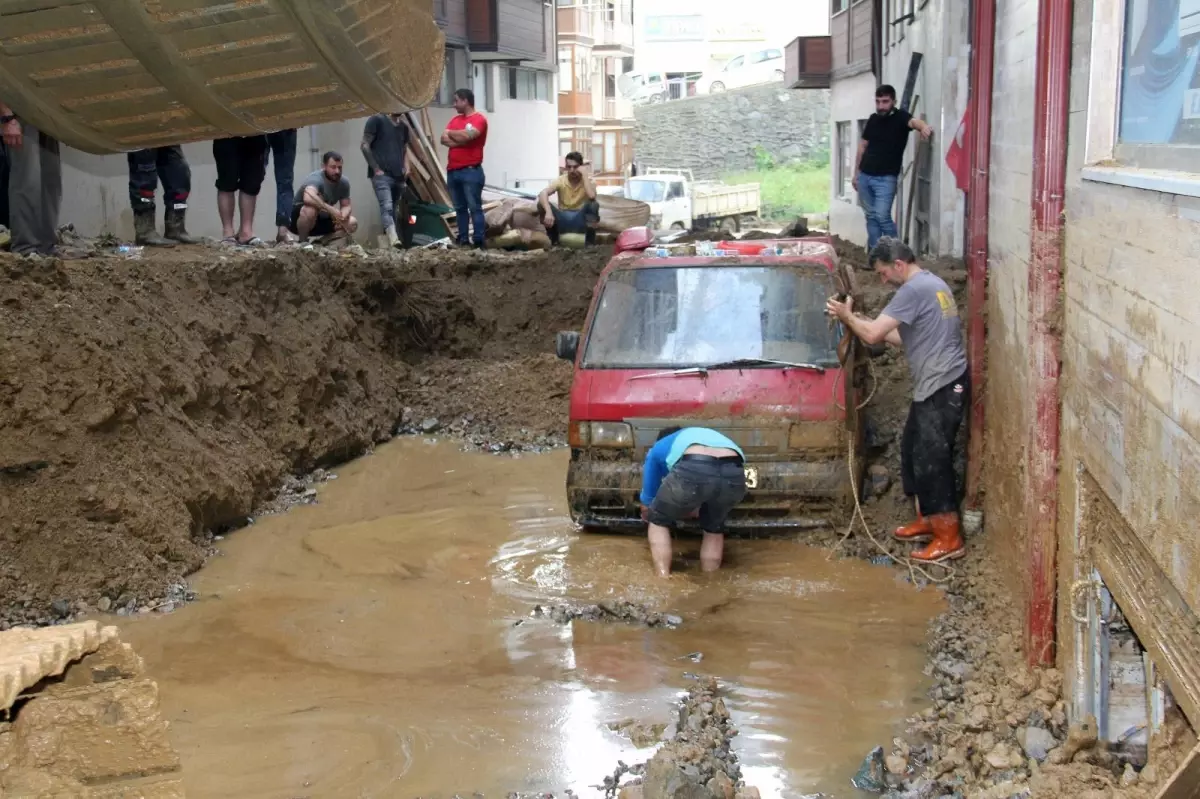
790 190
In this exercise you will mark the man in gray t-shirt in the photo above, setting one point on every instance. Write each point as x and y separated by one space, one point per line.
922 318
322 206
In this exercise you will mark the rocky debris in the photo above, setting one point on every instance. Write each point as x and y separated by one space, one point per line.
640 734
295 490
698 762
607 611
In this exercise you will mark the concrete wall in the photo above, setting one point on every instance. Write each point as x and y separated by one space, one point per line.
1006 396
1131 387
717 134
522 145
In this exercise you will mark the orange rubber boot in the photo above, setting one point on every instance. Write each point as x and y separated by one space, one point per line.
916 531
947 540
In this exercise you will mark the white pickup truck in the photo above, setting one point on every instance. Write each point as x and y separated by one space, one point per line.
678 202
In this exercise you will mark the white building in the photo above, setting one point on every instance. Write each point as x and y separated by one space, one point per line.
687 37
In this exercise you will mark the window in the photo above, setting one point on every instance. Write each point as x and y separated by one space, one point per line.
845 160
610 12
565 81
526 84
735 64
454 73
773 54
675 191
840 5
1158 124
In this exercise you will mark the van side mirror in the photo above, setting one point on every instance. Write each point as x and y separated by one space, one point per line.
566 344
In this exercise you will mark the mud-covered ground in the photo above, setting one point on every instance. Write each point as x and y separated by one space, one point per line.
146 404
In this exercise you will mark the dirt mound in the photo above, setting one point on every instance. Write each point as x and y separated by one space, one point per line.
145 403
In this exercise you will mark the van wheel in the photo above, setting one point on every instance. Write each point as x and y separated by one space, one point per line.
730 224
716 88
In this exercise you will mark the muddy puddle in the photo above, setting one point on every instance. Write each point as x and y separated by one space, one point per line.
380 644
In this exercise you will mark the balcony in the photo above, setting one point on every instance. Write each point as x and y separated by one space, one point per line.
575 104
614 38
575 25
808 62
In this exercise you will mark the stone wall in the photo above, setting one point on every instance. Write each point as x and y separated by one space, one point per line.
717 134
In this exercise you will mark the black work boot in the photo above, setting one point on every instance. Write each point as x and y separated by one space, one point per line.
145 234
176 227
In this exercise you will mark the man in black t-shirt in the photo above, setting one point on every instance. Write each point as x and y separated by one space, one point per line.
880 160
385 145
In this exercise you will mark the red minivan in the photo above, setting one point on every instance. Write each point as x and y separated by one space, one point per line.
739 343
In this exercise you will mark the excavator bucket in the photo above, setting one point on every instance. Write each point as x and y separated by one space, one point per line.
118 75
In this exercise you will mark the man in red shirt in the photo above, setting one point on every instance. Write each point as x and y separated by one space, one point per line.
465 135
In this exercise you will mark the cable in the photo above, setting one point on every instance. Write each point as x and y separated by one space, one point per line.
911 565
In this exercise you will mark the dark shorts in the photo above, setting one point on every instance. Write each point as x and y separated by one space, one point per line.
323 227
241 164
710 485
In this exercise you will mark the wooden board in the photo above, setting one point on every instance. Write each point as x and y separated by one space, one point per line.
1184 783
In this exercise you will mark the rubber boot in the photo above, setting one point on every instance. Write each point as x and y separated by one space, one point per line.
393 239
915 531
175 227
947 540
144 232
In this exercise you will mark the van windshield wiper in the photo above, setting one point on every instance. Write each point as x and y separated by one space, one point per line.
816 367
687 371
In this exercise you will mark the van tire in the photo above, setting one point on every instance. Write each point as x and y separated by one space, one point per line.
731 224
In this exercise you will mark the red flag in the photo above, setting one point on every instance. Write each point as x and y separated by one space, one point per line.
956 157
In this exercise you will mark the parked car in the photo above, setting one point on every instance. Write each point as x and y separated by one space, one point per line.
748 69
642 88
740 343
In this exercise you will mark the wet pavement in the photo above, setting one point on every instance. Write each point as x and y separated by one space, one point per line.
380 644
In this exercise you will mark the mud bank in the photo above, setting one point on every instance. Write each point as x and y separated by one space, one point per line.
146 403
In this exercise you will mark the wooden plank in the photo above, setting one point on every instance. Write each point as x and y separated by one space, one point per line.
56 24
1157 612
1184 783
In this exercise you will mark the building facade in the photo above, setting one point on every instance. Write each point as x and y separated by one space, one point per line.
872 42
502 49
1083 206
595 47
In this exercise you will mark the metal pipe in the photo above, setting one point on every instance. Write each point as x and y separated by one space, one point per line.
1051 103
979 148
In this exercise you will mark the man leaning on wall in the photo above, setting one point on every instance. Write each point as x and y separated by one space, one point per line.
880 161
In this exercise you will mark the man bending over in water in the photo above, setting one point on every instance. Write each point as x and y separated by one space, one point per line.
691 472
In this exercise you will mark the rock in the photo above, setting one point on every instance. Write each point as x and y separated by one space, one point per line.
631 792
1149 775
1036 742
1130 777
1000 757
61 608
1080 736
880 479
1045 697
979 718
104 604
430 425
747 792
721 786
896 764
666 779
870 775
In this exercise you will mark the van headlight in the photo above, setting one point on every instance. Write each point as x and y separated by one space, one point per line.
609 435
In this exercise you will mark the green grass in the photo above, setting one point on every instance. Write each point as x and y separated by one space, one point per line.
791 190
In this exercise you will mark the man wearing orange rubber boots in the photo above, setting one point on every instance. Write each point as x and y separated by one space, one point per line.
923 319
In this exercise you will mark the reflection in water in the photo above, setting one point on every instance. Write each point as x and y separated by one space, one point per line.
379 644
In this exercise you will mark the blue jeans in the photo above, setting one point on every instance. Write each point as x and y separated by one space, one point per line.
283 146
466 191
877 192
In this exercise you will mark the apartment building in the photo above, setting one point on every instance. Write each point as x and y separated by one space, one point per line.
595 47
502 49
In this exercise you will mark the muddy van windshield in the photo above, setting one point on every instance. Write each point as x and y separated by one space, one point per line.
670 317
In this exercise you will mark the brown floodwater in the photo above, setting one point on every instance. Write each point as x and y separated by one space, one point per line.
378 644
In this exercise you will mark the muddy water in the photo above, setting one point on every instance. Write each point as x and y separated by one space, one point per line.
378 644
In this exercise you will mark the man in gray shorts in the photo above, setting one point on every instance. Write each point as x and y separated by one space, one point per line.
923 319
321 206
